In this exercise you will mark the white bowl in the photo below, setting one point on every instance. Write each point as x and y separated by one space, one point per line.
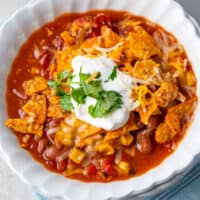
16 30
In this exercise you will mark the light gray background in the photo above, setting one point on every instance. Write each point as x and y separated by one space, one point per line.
11 188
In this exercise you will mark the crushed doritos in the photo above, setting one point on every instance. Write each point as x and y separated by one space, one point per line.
47 83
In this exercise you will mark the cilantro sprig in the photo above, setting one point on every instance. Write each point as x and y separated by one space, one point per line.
113 75
62 79
107 101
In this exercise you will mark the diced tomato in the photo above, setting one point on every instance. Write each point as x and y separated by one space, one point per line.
91 170
107 161
94 33
102 19
110 170
61 165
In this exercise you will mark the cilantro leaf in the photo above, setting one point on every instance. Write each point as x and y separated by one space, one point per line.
109 102
83 77
79 95
62 76
66 103
56 87
93 88
52 84
60 91
113 74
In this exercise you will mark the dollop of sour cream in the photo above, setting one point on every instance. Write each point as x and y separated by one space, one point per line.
122 84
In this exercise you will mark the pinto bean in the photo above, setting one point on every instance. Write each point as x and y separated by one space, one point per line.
42 144
50 153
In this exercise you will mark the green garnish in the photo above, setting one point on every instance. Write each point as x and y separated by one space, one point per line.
61 80
113 74
93 88
66 103
62 76
56 87
107 101
79 95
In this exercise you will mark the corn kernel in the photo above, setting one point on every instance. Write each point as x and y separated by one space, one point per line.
124 167
126 140
77 155
106 149
66 139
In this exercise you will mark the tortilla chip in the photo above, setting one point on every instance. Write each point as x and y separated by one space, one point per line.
36 107
35 85
24 126
141 45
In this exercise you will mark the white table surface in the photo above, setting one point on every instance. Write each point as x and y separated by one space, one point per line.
11 187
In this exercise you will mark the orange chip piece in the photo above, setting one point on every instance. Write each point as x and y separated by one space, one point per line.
166 93
141 45
67 38
24 126
172 123
145 68
55 111
90 131
36 107
109 37
35 85
130 126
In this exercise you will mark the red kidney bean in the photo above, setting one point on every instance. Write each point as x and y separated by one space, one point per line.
61 165
58 42
50 153
102 19
91 170
143 142
94 33
42 144
52 122
45 59
51 163
153 123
